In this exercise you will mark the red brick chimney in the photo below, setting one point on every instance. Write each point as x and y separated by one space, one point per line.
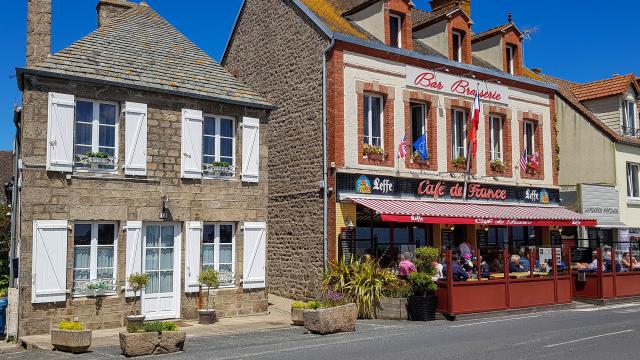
109 9
439 4
38 31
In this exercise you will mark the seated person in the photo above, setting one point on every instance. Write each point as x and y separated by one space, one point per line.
459 274
608 263
593 266
515 265
406 266
524 261
438 267
628 263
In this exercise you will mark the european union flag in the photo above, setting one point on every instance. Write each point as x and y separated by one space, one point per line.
421 146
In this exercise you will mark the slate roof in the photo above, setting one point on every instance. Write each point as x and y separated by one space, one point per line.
616 85
6 172
141 49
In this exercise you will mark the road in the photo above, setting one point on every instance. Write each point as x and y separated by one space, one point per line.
586 333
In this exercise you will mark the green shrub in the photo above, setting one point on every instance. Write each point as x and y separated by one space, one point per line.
159 326
211 279
424 256
422 284
70 326
401 289
169 326
100 155
3 293
298 305
313 305
137 282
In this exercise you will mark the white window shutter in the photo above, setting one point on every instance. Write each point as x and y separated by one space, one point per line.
250 149
135 139
191 163
49 261
133 262
192 256
254 255
61 114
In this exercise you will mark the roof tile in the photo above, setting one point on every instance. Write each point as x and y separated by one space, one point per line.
616 85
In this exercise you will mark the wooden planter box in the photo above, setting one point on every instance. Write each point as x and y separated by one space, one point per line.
74 341
331 320
297 317
151 343
375 157
393 309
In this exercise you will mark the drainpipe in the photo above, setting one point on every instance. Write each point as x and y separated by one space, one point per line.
14 196
325 185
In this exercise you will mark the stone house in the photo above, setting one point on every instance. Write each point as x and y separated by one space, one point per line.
357 81
138 153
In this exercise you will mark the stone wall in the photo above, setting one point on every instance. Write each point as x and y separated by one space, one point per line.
38 30
279 52
114 197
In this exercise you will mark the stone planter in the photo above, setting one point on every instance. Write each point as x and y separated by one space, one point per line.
74 341
331 320
135 320
393 309
297 317
151 343
206 317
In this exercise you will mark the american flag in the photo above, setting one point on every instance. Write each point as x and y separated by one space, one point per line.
523 161
402 149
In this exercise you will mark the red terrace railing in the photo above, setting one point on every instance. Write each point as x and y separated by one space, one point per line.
485 295
603 285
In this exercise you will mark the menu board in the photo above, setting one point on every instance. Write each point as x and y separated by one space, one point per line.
581 254
348 243
447 239
556 237
481 237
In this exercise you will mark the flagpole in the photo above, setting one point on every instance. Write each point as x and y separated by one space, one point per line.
469 151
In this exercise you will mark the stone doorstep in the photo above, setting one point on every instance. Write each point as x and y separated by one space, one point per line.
110 337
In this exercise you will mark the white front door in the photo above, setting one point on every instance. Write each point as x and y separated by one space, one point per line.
161 259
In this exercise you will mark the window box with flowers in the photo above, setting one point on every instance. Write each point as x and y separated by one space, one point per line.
95 159
497 166
531 169
459 162
416 158
373 152
219 168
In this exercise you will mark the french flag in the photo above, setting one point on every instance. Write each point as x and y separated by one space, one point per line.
475 121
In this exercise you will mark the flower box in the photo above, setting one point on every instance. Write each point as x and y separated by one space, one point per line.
393 308
151 343
422 308
375 156
95 292
74 341
100 161
497 166
331 320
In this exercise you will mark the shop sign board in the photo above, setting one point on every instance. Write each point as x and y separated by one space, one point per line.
600 202
428 79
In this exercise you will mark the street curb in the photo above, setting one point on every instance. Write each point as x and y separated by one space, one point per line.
503 313
604 302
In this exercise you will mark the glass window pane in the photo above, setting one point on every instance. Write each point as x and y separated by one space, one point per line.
83 134
209 145
153 236
208 159
107 136
82 257
225 268
81 275
82 234
394 25
167 236
226 147
152 285
105 256
226 159
152 260
209 126
366 119
207 254
107 150
107 114
226 234
166 259
105 274
209 234
375 118
225 254
81 150
166 282
106 234
84 111
419 236
417 122
226 127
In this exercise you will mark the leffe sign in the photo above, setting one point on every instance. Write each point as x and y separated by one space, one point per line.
455 85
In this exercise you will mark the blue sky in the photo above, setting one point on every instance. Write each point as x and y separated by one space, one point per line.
576 39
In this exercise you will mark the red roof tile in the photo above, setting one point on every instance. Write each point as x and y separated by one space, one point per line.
616 85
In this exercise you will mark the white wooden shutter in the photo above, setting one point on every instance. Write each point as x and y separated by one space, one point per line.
135 139
133 262
61 113
250 149
255 253
191 163
192 256
49 261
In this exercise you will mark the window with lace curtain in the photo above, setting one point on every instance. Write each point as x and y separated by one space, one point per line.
95 250
218 250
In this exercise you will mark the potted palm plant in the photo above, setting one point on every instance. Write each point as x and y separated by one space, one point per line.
211 279
423 301
137 282
71 336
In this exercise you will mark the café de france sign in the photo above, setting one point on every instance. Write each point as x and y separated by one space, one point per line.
455 85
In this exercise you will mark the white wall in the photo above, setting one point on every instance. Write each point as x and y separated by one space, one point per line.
371 19
435 36
608 110
629 209
490 50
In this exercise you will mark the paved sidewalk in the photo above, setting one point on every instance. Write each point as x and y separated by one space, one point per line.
276 318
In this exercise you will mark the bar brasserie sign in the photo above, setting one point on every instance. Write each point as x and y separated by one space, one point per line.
455 85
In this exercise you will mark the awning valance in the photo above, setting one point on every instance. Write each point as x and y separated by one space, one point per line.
408 211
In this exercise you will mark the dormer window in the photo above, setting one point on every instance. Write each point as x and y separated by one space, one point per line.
395 30
511 51
629 126
456 41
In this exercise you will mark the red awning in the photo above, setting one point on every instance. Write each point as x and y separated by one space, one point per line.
408 211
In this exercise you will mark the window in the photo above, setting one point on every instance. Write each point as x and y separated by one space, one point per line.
510 58
395 30
633 185
457 37
218 145
94 249
459 134
96 135
418 122
218 249
629 126
373 131
495 132
529 137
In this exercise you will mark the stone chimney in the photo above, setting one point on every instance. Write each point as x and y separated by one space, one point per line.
109 9
38 31
463 4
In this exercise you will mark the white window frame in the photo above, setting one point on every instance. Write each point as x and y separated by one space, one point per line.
217 143
631 187
399 35
629 119
493 119
93 254
454 133
457 52
369 119
533 136
510 59
95 134
423 130
216 250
